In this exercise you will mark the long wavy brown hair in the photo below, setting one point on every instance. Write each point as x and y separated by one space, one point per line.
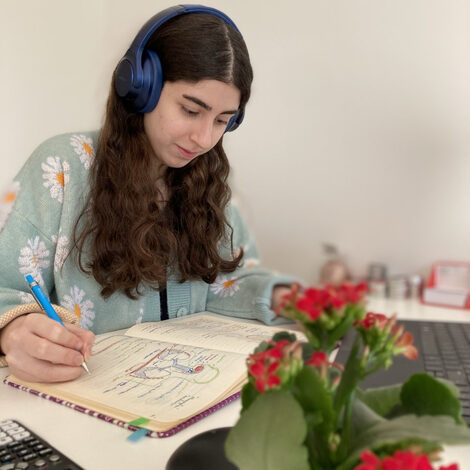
125 237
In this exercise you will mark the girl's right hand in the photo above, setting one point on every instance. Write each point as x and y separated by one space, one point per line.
39 349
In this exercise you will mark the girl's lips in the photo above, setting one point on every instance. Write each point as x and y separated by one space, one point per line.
186 153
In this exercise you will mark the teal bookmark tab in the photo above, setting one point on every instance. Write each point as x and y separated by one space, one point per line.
137 435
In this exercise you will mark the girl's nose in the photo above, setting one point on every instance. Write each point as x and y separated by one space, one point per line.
202 134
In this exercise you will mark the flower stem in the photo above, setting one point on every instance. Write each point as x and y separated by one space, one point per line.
346 429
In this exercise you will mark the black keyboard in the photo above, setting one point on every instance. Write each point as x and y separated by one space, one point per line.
446 354
443 351
21 448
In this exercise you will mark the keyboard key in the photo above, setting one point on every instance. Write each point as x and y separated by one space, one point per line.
7 466
23 450
457 376
466 411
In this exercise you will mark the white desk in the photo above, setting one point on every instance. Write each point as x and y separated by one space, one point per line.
96 445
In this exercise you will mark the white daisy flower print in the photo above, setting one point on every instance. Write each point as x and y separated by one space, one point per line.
34 257
83 308
83 147
251 262
7 202
56 174
225 287
141 315
26 298
61 250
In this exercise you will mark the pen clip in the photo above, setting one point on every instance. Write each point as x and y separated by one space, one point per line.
35 298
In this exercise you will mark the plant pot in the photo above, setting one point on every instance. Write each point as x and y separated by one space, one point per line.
204 451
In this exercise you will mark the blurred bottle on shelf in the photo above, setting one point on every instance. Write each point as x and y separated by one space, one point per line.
334 271
398 287
416 286
377 280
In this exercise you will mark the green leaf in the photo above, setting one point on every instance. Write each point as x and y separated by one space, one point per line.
344 326
311 392
350 377
263 346
249 394
284 335
422 394
381 399
363 417
440 429
316 401
307 351
269 435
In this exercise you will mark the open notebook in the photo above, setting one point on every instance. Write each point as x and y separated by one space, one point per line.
443 351
173 372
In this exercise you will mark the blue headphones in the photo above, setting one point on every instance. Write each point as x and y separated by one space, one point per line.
139 77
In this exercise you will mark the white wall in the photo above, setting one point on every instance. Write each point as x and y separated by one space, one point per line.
358 131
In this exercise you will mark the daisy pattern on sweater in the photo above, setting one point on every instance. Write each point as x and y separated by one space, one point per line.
83 147
61 251
141 315
7 202
225 287
56 174
34 257
250 262
26 298
83 308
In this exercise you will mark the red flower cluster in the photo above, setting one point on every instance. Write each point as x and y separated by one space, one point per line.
318 358
401 460
314 301
264 366
374 319
403 341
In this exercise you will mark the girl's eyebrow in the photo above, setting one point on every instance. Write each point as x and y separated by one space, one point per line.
205 105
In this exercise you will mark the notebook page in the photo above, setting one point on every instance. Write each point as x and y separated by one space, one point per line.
165 382
208 331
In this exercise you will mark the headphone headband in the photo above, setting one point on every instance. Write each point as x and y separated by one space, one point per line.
139 77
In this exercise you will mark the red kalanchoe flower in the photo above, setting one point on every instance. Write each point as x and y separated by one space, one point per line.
288 299
268 367
404 345
374 319
325 305
318 358
349 293
380 331
401 460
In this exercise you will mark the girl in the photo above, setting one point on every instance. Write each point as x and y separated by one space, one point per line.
133 222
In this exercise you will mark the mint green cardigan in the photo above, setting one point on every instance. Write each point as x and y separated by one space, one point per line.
37 216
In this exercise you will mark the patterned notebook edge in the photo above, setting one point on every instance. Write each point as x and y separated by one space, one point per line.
120 423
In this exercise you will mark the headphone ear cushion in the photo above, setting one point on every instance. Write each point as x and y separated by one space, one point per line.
152 83
124 78
235 121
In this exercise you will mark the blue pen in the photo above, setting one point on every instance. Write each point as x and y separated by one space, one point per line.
45 305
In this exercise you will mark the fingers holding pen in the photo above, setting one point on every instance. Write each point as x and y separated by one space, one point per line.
86 336
29 368
42 349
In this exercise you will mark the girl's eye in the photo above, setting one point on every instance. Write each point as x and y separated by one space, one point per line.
222 122
189 111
